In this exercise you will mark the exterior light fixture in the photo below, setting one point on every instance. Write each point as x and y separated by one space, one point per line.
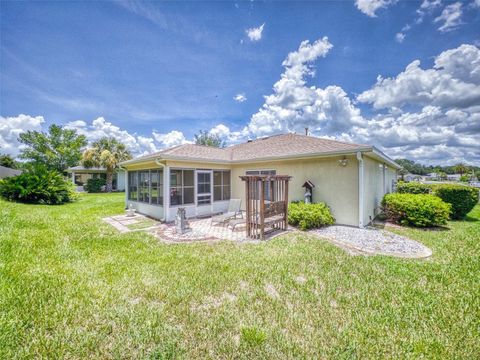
343 162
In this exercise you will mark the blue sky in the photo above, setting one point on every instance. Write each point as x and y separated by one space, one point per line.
154 74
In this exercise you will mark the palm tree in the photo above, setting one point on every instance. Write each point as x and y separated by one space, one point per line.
108 153
460 168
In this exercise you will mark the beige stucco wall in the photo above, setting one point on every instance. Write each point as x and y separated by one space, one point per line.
375 187
334 184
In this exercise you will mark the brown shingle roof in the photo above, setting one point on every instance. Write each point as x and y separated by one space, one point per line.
288 145
277 146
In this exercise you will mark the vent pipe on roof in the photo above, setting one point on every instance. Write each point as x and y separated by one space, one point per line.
306 131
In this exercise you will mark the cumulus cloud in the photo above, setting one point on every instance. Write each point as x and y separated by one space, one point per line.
446 126
453 81
230 137
370 7
255 33
240 98
294 105
12 126
451 17
173 138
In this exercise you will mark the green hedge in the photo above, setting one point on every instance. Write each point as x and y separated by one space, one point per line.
413 188
420 210
95 185
462 198
308 216
38 186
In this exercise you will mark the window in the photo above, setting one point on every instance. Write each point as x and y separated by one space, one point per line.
146 186
132 185
181 187
221 185
268 186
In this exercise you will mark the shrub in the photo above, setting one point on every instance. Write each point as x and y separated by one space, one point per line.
308 216
413 188
38 186
462 198
420 210
95 185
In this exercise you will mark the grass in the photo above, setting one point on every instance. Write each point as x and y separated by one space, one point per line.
73 287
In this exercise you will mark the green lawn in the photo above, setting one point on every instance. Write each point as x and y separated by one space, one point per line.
72 287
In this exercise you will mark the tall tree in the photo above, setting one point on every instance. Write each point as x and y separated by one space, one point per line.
57 149
461 168
208 139
8 161
108 153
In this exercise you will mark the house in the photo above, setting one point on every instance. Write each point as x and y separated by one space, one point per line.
80 176
411 177
350 178
7 172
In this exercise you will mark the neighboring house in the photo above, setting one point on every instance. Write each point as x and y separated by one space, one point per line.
431 177
454 177
350 178
80 176
412 177
7 172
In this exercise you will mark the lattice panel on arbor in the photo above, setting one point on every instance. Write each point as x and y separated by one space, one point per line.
266 204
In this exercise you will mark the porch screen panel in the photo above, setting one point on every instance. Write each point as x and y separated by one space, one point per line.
133 185
144 186
221 185
156 187
182 187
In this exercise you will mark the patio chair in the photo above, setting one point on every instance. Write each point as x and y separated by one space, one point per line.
232 212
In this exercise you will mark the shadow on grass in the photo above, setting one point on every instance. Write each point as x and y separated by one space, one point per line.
470 219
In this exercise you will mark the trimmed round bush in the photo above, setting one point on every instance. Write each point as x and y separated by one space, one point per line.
95 185
309 216
38 186
462 198
419 210
413 188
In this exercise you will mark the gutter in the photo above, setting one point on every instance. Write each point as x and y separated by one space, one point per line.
361 195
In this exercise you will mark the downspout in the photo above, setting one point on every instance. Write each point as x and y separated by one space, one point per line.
157 161
360 189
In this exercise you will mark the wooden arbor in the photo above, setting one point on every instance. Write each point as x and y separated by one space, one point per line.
266 204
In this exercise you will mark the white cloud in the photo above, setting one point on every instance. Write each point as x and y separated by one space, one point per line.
370 7
255 34
173 138
400 37
426 7
12 126
240 98
294 105
451 17
453 81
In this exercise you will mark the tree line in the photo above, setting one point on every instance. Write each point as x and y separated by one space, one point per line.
60 148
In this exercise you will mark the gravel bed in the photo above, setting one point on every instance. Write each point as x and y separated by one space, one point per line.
372 241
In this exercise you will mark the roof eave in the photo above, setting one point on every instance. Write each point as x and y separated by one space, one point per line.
388 160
